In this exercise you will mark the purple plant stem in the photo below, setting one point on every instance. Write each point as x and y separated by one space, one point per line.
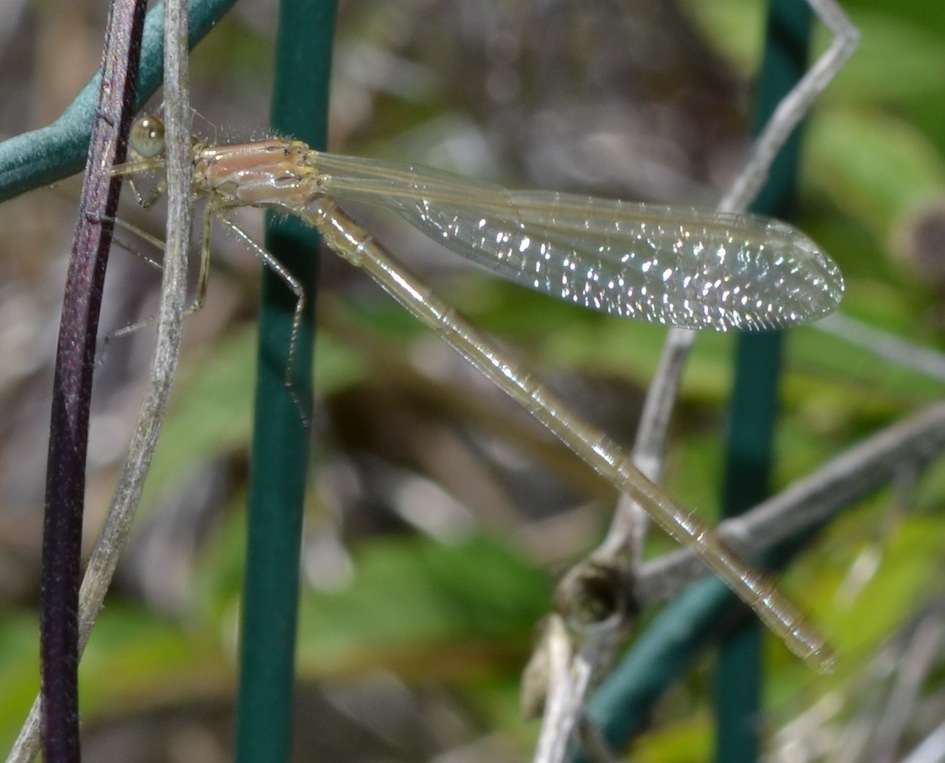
72 386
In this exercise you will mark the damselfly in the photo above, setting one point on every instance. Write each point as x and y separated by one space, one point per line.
679 267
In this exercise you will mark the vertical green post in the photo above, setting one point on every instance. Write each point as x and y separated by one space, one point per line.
754 404
281 437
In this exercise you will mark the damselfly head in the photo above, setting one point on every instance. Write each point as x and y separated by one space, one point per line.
146 165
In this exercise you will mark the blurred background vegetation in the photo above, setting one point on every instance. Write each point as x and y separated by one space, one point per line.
439 515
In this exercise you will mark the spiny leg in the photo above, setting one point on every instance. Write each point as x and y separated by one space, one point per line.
293 284
203 277
206 227
144 322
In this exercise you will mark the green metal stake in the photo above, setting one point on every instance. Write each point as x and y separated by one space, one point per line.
281 438
739 677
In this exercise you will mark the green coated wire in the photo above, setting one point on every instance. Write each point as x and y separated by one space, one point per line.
280 438
51 153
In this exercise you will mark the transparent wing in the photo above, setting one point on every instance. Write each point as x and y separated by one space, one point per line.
675 266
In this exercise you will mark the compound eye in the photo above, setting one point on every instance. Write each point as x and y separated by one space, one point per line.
147 136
